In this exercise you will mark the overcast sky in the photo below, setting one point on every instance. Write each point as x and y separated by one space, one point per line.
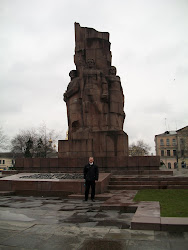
149 45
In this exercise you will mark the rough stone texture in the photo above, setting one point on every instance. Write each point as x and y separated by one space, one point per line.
122 165
95 100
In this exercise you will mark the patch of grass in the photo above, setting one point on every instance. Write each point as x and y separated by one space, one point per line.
173 202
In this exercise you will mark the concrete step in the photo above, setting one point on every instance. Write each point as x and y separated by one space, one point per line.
138 187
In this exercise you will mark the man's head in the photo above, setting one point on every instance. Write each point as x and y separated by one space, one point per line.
112 70
90 63
91 159
73 74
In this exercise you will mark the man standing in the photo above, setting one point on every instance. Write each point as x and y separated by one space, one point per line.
91 175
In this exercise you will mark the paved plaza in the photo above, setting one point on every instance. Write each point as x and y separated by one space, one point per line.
58 223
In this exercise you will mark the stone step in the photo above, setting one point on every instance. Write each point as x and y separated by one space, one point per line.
138 187
142 172
147 178
166 182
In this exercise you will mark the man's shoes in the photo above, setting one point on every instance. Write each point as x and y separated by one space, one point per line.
93 200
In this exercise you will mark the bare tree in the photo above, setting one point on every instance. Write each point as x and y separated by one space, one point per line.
47 139
139 148
19 142
42 142
3 140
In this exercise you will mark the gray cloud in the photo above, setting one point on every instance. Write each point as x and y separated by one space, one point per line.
149 49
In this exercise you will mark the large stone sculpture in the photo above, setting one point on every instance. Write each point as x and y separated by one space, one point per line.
94 99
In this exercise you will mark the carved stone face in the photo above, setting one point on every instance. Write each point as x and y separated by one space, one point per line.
90 63
112 70
73 74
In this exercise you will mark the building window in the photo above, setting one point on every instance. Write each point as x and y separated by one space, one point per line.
168 152
161 142
181 141
162 152
174 142
183 164
169 165
3 161
0 161
182 152
174 152
175 165
167 142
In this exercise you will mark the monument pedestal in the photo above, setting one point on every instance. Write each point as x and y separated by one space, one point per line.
96 144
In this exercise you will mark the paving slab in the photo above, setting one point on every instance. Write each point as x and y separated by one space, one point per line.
87 226
174 224
148 245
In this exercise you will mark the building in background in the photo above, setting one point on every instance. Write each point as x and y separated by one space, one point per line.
172 147
182 147
6 160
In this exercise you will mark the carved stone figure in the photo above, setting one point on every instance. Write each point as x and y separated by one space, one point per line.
94 99
95 94
74 104
116 96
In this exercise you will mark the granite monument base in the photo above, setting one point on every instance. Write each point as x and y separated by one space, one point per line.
121 164
49 187
96 144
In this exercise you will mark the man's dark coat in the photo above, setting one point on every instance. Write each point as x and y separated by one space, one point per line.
91 172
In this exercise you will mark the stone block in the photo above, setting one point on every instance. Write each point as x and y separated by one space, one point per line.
19 163
28 162
36 163
63 146
145 223
68 186
53 162
154 161
122 161
44 185
174 224
143 161
23 185
111 161
63 162
5 185
82 161
133 161
44 163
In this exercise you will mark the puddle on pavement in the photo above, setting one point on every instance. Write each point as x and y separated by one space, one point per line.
111 223
101 216
6 215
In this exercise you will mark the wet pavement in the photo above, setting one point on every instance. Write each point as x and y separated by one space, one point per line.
57 223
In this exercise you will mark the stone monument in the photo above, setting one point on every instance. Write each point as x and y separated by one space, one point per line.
94 100
95 110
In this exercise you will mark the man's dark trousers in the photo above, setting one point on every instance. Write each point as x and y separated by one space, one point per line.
89 184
